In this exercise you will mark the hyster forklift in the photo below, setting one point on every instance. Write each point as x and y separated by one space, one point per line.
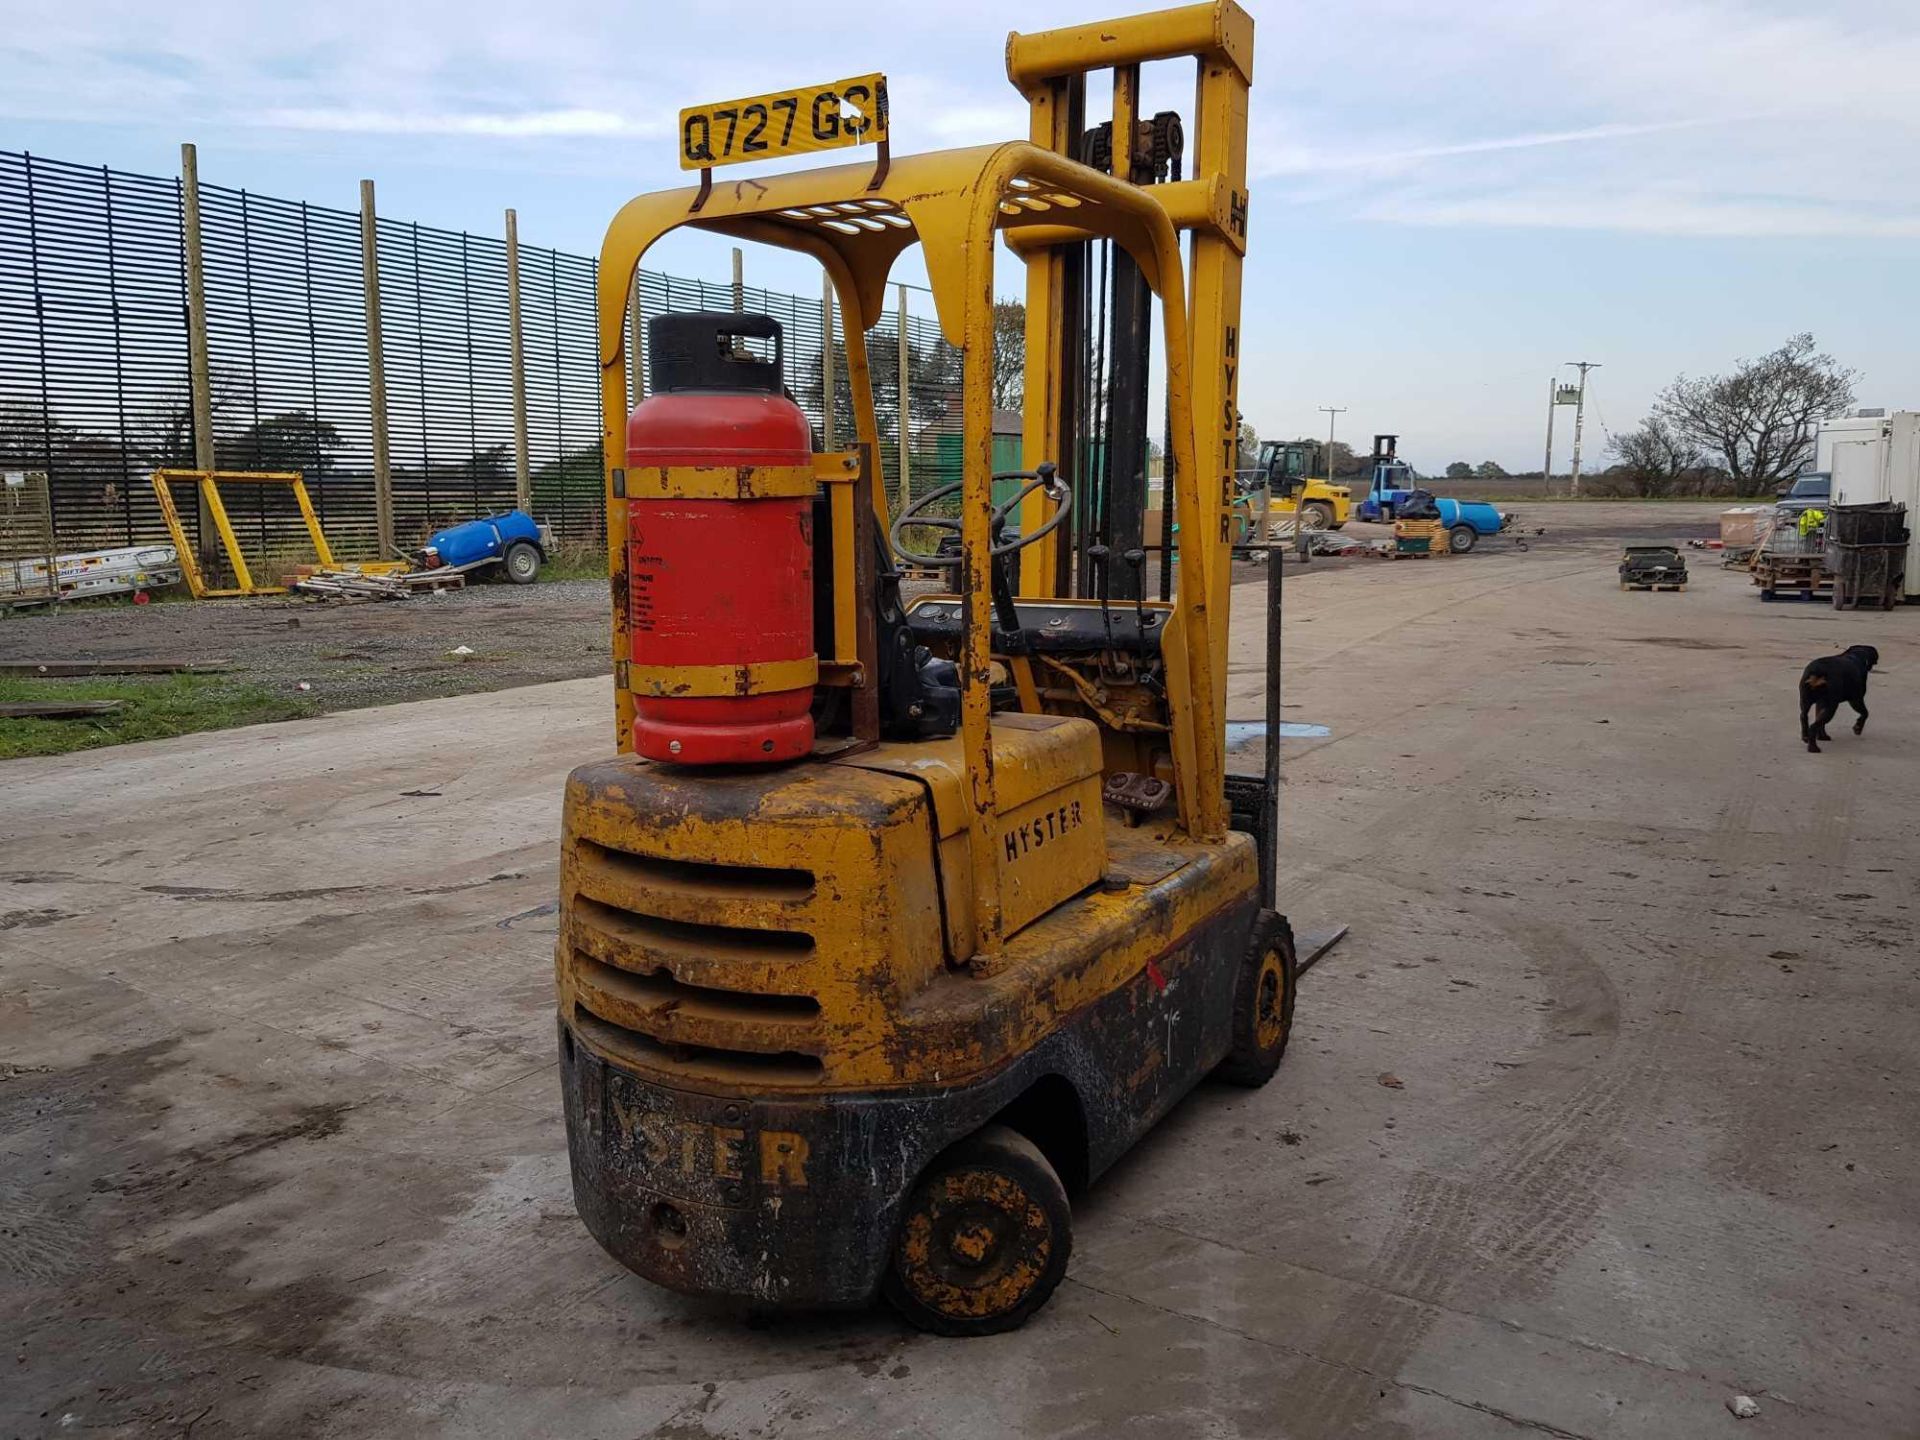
896 924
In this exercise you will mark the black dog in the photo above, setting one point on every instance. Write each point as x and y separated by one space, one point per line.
1829 683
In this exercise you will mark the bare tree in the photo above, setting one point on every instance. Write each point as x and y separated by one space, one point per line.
1655 459
1760 419
1009 354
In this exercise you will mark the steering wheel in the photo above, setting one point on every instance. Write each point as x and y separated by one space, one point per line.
1045 478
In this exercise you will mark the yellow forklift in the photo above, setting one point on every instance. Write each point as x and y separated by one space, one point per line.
895 924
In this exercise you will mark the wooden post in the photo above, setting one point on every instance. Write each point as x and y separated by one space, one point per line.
739 281
376 374
199 366
906 425
522 470
827 436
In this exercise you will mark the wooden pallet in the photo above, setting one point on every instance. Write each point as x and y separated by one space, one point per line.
1653 585
1413 554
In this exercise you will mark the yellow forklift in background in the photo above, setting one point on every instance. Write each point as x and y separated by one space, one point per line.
894 925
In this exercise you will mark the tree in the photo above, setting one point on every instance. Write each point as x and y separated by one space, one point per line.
1009 354
1654 460
1459 470
1249 455
1488 470
1760 419
294 440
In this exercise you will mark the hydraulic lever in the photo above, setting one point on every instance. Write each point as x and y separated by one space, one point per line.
1102 559
1137 558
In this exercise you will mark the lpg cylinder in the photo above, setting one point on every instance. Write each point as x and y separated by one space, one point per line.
719 490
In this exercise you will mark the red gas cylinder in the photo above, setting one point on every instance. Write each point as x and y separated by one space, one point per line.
719 548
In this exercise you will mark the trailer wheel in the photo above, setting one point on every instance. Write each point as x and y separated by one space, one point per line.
984 1237
1262 1005
1462 538
522 562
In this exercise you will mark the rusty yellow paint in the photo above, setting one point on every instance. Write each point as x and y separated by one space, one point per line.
1219 33
974 1243
719 482
753 677
784 930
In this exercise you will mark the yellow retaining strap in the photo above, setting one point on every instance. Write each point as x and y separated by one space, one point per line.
688 682
720 482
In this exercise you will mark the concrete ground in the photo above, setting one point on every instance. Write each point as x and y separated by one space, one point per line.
1602 1115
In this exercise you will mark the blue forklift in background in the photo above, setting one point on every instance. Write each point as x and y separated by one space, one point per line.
1393 489
1389 481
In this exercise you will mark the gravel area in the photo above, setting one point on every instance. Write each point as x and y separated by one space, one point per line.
371 653
380 652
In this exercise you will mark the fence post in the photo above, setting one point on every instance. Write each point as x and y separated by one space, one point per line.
636 357
739 282
522 470
827 435
906 424
376 373
199 366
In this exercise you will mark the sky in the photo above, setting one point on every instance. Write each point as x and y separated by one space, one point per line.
1448 201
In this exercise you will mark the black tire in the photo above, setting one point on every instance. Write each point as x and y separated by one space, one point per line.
984 1237
1462 538
1262 1005
521 563
1316 516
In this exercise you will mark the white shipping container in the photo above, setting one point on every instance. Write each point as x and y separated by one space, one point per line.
1874 457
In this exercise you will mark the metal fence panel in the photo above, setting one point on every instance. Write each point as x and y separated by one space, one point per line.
94 383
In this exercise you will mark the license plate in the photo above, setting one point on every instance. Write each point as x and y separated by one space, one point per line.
789 122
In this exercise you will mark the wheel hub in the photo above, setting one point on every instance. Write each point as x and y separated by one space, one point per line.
974 1245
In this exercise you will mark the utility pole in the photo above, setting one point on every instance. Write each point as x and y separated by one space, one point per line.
1553 397
1579 417
1330 411
1299 530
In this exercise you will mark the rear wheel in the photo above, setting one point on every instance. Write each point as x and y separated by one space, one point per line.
521 562
1462 538
1262 1005
984 1238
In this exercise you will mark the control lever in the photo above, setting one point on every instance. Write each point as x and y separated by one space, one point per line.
1102 557
1137 558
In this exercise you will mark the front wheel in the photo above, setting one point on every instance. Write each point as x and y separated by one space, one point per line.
1462 538
984 1238
1262 1005
1316 516
521 562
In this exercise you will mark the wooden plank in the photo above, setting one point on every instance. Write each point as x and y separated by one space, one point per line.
56 709
114 667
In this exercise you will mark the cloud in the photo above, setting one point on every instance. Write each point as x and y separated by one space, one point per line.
1303 161
528 124
1649 214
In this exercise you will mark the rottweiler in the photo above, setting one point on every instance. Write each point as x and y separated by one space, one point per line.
1830 682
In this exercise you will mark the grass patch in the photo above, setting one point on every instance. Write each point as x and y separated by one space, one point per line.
155 707
572 560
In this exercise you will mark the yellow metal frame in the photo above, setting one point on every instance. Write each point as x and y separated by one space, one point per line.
209 482
856 221
1049 68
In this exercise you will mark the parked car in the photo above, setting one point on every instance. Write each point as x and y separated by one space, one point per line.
1809 491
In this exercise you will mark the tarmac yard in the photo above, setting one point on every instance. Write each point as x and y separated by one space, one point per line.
1602 1116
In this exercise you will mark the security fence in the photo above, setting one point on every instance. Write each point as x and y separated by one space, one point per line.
97 367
